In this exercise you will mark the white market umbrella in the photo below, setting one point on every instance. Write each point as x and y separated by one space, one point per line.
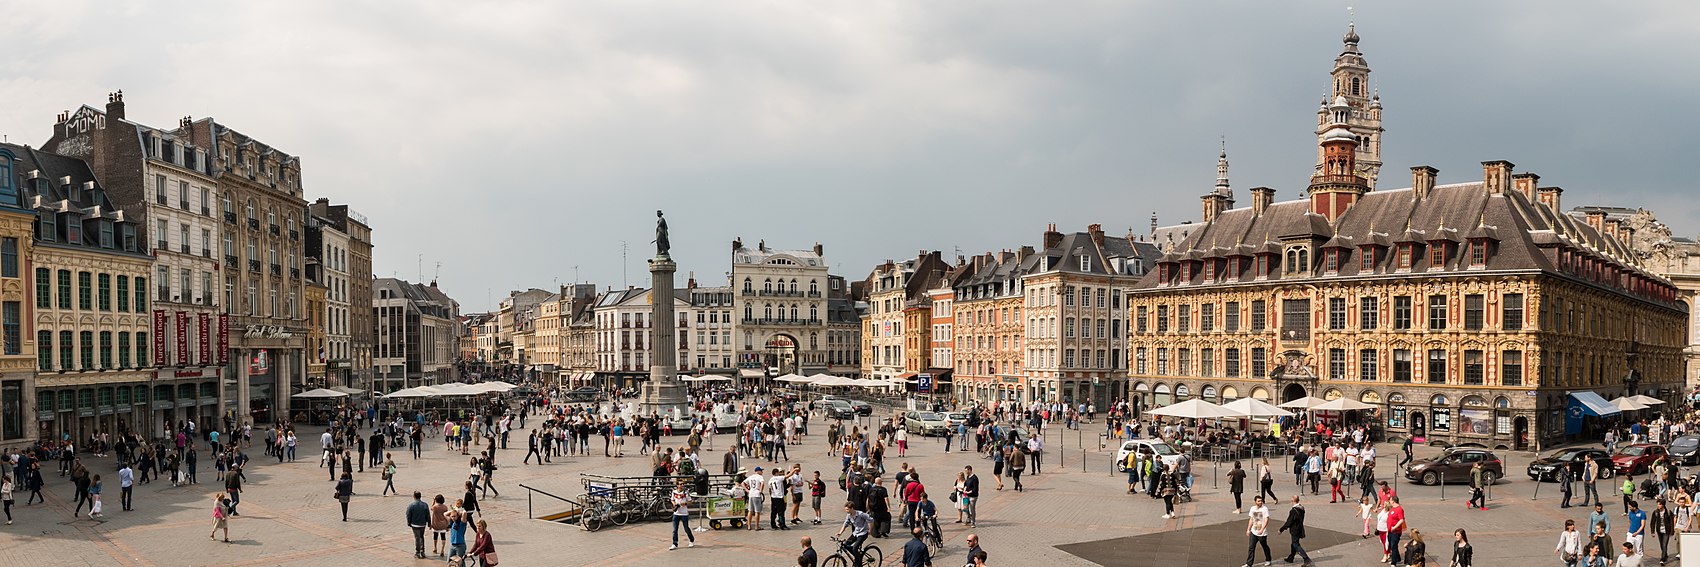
1626 404
1305 403
319 393
1342 404
1253 407
405 393
348 390
794 379
1195 409
450 389
1646 400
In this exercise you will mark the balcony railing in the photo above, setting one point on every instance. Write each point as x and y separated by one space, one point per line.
274 230
230 217
254 266
230 262
277 270
206 212
253 224
184 248
294 234
295 273
206 252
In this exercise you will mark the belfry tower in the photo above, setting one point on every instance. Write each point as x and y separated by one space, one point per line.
1351 83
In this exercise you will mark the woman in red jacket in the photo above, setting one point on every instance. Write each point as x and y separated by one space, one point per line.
483 547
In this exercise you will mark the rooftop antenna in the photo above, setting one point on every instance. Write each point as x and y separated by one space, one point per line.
623 271
421 266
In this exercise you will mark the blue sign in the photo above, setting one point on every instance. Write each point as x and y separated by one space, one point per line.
924 383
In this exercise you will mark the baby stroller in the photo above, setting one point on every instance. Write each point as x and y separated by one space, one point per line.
1649 489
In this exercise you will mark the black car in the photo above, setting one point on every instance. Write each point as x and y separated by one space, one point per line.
1684 450
862 408
584 394
1546 468
838 409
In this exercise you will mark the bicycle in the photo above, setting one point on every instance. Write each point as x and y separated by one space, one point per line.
871 556
931 536
600 510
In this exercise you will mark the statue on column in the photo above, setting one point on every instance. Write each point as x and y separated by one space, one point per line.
661 243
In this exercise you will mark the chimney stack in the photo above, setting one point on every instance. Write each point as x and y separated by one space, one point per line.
820 250
1052 238
1597 219
1549 196
1612 226
1097 232
1525 183
1496 176
115 105
1422 181
761 245
737 243
1261 198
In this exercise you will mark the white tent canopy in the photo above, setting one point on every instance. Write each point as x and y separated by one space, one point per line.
407 393
1304 403
706 378
1195 409
319 393
794 379
1646 400
1342 404
1626 404
1253 407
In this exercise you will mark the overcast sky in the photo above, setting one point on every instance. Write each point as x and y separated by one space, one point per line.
513 141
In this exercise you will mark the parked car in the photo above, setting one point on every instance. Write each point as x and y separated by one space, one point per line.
1148 447
838 409
862 408
1453 466
1685 450
821 402
955 418
584 394
1636 459
1545 469
924 423
727 419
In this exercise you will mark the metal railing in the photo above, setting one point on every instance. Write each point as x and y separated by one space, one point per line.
574 510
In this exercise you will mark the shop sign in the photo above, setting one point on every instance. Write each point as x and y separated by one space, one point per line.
267 332
223 338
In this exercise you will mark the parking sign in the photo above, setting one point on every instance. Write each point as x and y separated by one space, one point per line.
924 383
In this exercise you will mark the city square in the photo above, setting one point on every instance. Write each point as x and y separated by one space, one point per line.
288 517
241 298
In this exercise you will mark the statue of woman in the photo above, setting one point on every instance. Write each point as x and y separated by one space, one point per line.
661 243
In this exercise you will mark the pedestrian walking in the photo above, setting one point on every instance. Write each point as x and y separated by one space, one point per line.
389 475
126 481
457 537
439 526
1590 475
418 518
1266 480
1167 486
1565 479
233 487
1395 527
1416 551
344 492
1295 527
222 510
1569 548
681 499
1664 524
1236 484
1462 554
1478 490
469 501
94 497
6 497
1257 530
1637 525
484 546
1017 463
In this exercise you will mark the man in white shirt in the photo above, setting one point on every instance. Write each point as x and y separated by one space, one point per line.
754 488
1629 557
1257 528
325 448
1034 449
776 499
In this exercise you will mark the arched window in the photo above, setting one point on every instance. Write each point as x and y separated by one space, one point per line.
1357 88
766 286
814 287
748 285
8 191
814 314
767 312
793 286
793 307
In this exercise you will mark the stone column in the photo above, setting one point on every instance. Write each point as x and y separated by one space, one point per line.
663 392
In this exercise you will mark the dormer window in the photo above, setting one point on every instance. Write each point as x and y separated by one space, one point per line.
1210 270
1366 259
1406 253
1437 255
1262 266
1085 263
1331 262
1298 260
1478 253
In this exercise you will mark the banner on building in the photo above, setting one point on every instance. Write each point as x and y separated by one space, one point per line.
260 363
182 338
223 338
206 348
158 337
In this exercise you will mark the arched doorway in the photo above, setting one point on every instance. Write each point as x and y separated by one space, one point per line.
781 354
1419 427
1292 392
1520 432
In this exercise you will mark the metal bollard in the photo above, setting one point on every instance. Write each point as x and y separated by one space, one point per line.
1442 487
1537 495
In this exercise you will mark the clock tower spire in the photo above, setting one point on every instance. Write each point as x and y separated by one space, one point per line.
1351 82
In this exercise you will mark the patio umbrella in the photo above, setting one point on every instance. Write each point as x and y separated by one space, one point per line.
1342 404
319 393
348 390
1304 403
450 389
1253 407
1195 409
1626 404
405 393
794 379
1646 400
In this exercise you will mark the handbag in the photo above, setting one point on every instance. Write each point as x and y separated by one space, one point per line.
953 496
490 559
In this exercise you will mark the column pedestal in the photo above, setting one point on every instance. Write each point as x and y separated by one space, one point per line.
663 393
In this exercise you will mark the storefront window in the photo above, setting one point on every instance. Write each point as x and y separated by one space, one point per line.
11 409
1441 420
1396 417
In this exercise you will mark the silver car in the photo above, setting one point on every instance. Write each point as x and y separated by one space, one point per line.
924 423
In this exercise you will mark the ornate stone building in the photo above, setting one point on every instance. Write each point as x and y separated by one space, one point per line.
1074 318
988 330
1465 312
348 240
1363 120
18 396
897 329
779 303
1677 258
92 311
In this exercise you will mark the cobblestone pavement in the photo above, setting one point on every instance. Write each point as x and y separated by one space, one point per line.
289 518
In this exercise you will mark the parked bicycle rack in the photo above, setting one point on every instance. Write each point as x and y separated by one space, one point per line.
618 500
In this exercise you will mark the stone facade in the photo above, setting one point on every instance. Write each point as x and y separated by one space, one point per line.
779 306
1677 258
18 398
354 265
329 252
898 321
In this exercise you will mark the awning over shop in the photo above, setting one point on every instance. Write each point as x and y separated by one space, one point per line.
1592 404
747 373
1584 404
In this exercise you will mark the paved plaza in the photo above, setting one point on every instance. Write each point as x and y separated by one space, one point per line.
1066 517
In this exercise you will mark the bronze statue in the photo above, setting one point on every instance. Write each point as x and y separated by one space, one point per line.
661 243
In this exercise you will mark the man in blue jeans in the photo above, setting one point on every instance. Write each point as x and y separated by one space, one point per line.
682 515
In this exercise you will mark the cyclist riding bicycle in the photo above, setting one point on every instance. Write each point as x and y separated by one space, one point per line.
858 522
